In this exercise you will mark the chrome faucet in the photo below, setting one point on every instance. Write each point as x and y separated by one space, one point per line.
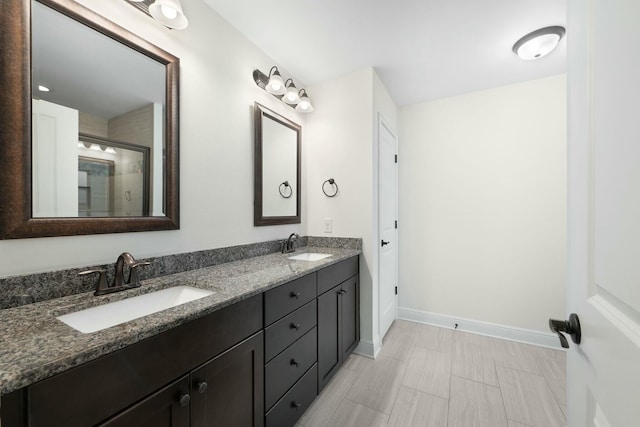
119 284
288 245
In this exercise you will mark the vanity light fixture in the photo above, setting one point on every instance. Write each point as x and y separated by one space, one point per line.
284 91
291 95
168 12
538 43
275 85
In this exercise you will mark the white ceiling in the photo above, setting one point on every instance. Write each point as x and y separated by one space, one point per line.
421 49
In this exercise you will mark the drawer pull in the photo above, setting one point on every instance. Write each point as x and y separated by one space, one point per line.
202 387
295 405
295 363
295 326
294 294
184 400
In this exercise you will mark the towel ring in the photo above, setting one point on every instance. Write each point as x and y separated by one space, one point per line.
331 181
285 185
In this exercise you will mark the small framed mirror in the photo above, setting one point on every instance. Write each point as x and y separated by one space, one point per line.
277 171
90 125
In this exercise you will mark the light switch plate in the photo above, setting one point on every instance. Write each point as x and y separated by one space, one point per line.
328 225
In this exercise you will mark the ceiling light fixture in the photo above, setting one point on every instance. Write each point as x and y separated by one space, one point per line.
43 88
168 12
284 91
538 43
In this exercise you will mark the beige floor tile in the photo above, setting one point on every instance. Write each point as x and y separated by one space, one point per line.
398 342
514 355
356 363
528 399
414 408
325 405
352 414
435 338
555 373
473 359
428 371
377 385
474 404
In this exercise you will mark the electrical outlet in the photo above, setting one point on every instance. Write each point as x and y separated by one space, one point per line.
328 225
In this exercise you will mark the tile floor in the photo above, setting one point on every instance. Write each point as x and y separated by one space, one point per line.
435 377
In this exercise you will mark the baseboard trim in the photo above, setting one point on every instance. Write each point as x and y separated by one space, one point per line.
527 336
368 349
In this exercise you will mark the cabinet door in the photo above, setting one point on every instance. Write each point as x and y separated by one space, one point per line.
329 348
229 390
169 407
350 318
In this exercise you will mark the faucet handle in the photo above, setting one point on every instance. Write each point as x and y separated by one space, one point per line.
134 279
101 284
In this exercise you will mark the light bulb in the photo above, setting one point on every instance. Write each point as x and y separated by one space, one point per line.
168 12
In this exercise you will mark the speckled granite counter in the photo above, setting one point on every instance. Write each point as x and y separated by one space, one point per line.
35 345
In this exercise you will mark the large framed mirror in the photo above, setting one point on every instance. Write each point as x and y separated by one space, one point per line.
277 171
88 125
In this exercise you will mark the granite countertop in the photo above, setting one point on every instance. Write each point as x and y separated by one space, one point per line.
35 345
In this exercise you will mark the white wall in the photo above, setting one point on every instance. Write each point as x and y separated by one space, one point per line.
483 204
341 144
217 93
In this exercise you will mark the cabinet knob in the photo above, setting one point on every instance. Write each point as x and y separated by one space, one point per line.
342 291
294 294
202 387
295 405
295 363
295 326
184 400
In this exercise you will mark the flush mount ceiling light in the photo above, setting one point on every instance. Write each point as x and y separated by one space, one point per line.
284 91
168 12
538 43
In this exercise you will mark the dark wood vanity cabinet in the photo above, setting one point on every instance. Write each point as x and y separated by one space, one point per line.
290 350
140 378
338 317
261 361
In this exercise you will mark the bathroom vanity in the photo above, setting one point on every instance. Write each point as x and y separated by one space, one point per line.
256 352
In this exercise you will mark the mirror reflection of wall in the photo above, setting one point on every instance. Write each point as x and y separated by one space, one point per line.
279 165
82 84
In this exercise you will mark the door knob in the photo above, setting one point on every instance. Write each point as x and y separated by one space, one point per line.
382 242
571 327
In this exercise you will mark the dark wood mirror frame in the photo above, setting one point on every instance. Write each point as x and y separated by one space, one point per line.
15 128
258 217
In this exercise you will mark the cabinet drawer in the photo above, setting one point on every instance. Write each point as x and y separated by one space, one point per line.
286 368
336 274
280 301
293 404
285 331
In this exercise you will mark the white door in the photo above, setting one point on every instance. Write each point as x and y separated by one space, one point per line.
387 216
54 160
603 38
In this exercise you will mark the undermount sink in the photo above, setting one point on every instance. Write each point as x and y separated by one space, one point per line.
310 256
114 313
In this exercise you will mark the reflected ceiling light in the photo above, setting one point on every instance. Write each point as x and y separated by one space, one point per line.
169 13
43 88
305 103
538 43
291 96
287 92
110 150
95 147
